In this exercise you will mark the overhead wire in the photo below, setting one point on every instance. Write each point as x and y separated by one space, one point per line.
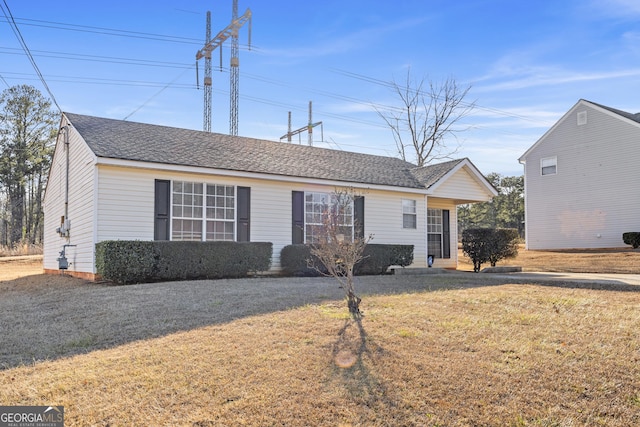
172 83
16 30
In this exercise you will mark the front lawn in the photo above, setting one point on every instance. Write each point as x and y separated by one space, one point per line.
496 355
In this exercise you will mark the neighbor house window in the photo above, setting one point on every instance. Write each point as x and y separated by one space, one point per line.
202 211
317 207
548 166
409 214
438 234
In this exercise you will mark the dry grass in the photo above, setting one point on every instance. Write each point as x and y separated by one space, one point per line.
622 260
437 350
20 250
20 266
514 355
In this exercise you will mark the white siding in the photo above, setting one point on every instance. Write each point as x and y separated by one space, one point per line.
383 219
126 209
463 188
81 205
595 195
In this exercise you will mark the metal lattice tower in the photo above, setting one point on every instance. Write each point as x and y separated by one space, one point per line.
234 70
207 80
211 44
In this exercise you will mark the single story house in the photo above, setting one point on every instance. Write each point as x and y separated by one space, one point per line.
120 180
582 187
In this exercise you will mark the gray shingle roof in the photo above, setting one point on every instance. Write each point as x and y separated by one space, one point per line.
630 116
118 139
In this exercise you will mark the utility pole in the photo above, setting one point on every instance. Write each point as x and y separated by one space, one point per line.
216 42
309 128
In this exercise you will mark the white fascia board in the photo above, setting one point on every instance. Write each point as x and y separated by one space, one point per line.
254 175
475 173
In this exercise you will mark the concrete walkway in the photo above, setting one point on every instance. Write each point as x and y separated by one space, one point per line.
600 278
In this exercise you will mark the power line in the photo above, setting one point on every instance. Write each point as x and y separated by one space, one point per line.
95 58
157 93
16 31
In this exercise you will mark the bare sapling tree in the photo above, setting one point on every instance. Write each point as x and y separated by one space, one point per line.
338 246
430 115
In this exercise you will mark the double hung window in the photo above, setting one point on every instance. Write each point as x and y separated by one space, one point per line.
549 166
202 211
323 210
409 214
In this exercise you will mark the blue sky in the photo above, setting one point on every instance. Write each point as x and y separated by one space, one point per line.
527 64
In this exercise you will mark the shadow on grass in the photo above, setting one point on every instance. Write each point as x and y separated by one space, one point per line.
354 360
61 316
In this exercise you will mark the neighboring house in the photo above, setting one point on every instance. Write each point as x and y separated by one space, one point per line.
582 186
118 180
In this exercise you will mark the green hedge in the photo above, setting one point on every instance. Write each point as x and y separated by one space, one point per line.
296 260
632 238
127 261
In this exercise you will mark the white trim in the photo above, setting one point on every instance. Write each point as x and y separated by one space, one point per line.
474 172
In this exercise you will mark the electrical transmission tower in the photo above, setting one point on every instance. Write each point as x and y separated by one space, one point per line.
308 128
210 45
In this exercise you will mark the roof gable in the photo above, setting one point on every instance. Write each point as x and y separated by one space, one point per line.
631 118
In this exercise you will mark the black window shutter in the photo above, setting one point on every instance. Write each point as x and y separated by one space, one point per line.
297 213
446 234
162 209
358 217
244 214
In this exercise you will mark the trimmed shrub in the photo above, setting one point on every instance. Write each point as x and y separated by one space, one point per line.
489 245
632 238
378 258
296 260
126 261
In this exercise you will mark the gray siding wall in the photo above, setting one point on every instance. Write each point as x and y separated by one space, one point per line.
595 195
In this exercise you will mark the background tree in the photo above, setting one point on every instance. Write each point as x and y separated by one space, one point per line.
338 247
429 113
506 210
27 136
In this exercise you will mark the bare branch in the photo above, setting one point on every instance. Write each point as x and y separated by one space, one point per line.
427 118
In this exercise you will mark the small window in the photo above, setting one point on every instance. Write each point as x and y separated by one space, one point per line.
549 166
409 215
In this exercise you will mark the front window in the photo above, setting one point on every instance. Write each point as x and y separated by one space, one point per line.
196 217
434 232
322 207
409 214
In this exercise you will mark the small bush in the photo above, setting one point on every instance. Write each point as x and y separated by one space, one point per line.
296 260
632 238
126 261
489 245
